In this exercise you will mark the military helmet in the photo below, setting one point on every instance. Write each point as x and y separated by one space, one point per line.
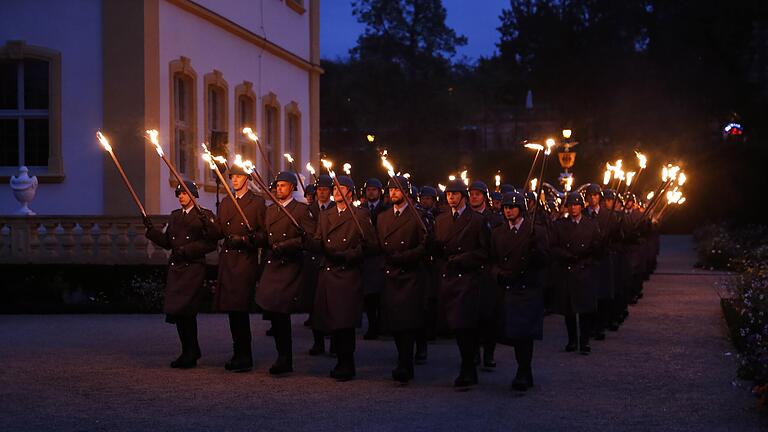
456 185
428 191
496 196
480 186
574 199
392 184
348 182
191 186
309 189
594 189
324 180
287 176
514 199
506 187
374 182
236 169
609 194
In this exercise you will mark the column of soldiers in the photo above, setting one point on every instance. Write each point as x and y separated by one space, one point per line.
482 267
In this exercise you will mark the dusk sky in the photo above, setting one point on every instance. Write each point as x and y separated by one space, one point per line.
477 20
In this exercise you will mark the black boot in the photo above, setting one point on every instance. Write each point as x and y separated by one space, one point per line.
421 348
372 306
240 327
186 359
404 342
488 355
570 326
283 344
524 355
586 321
345 366
467 341
318 346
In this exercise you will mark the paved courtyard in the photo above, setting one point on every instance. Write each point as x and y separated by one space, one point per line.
668 368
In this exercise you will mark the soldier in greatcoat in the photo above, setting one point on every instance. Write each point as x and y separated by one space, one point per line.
281 288
518 254
574 240
373 275
239 265
460 245
186 238
339 297
403 244
489 306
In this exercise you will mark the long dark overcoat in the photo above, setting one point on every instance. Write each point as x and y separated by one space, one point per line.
573 246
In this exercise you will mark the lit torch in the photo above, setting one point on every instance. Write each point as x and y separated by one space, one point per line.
105 143
289 158
498 182
248 132
406 193
328 165
152 134
311 170
538 148
208 157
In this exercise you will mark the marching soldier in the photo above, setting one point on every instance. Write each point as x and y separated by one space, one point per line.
309 193
339 298
403 243
428 199
478 201
461 242
281 286
607 222
496 198
373 274
239 265
574 241
323 189
186 238
518 252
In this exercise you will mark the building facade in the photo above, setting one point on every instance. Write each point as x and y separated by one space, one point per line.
197 71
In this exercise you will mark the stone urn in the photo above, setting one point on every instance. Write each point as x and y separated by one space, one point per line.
24 188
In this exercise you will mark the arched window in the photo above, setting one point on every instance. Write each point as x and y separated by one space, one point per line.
183 116
293 133
245 116
30 111
216 121
270 136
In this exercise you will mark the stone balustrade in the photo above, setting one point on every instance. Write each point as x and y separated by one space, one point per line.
79 240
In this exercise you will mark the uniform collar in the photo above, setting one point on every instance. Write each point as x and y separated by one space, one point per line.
401 209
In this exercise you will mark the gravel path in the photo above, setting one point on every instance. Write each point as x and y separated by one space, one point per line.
666 369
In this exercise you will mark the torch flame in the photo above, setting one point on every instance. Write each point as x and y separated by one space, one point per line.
681 179
370 138
550 143
388 166
288 157
407 175
682 200
650 195
328 165
498 180
347 168
641 160
534 182
534 146
152 134
441 187
451 177
664 174
104 141
630 176
356 203
464 177
310 168
568 183
246 165
606 176
250 134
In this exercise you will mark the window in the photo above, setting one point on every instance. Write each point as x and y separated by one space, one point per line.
245 109
29 114
271 134
183 118
293 133
216 130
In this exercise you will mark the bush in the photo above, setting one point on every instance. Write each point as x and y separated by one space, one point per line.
745 251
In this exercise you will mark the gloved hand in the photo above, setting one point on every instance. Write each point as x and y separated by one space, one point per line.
179 252
148 222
